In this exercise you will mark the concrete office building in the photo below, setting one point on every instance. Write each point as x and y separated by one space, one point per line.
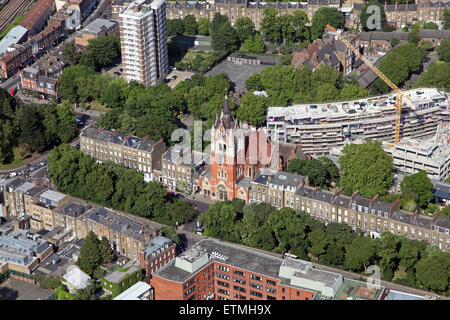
143 40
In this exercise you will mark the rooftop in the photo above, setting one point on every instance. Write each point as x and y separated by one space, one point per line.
52 195
156 244
339 109
98 26
134 292
116 276
119 138
208 250
12 37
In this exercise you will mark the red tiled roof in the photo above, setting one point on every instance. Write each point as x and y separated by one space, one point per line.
35 14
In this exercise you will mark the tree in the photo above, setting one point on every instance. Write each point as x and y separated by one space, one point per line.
31 128
446 19
190 25
171 233
105 251
433 272
179 210
289 230
409 254
253 109
324 16
359 254
219 221
365 167
174 27
113 95
67 127
154 127
224 36
319 242
270 25
245 28
101 52
253 83
70 54
352 92
443 50
437 76
367 14
413 36
394 41
254 220
90 254
254 44
203 26
299 21
419 184
430 25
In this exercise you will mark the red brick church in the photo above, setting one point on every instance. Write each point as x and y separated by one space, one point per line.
239 153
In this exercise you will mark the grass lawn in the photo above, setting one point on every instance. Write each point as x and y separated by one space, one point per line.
18 161
190 55
94 105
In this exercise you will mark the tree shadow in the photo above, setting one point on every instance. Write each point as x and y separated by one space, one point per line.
8 294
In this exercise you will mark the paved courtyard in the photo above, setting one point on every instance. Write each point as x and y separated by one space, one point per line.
180 76
238 73
14 289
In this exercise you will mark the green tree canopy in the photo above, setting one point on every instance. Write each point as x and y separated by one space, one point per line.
203 26
190 25
174 27
253 109
419 184
365 167
324 16
245 28
443 50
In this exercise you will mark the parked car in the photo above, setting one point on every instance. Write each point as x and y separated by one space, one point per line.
199 231
13 91
12 174
79 122
43 162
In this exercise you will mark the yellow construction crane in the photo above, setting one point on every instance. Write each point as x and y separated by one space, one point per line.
401 96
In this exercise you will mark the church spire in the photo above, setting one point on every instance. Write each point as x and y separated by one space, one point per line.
226 106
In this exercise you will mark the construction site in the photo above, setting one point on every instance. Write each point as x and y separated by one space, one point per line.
319 128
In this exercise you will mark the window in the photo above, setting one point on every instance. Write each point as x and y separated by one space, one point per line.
239 273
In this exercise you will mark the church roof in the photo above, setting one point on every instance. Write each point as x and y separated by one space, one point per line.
226 119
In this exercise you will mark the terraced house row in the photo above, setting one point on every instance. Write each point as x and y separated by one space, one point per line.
373 216
398 15
48 210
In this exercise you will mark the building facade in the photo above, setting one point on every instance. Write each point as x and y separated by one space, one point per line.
143 39
157 254
372 216
318 128
142 154
216 270
97 28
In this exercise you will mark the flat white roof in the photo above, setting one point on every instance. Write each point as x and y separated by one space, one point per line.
12 37
134 292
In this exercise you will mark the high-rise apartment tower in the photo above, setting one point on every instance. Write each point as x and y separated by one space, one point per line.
143 40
